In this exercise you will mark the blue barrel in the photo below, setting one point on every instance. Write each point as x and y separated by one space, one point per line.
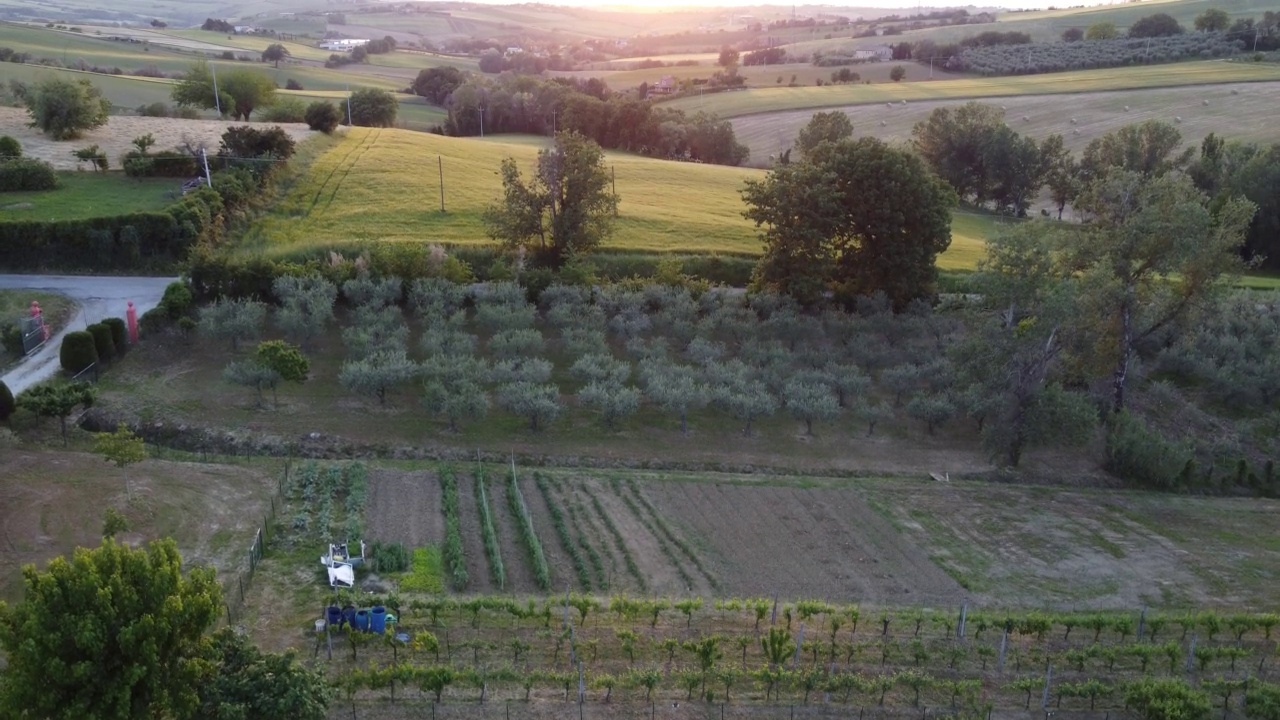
361 621
378 619
349 615
334 615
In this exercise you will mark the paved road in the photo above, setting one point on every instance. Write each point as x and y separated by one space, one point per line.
96 298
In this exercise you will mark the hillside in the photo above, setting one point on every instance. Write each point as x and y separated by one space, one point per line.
384 185
747 102
1239 112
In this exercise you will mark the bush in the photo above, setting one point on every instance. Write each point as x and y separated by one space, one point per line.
119 333
7 405
10 148
166 163
322 116
27 174
292 84
249 142
371 107
1136 453
11 339
153 322
176 300
63 108
102 342
78 351
155 109
285 110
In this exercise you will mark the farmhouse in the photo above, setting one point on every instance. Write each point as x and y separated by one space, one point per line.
876 53
665 86
343 44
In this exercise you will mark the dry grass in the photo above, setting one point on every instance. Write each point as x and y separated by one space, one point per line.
54 503
1238 112
116 137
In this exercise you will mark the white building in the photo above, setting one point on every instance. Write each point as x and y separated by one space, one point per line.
343 44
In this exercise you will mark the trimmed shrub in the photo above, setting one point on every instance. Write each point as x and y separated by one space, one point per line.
166 163
119 334
176 300
153 322
10 148
7 405
102 342
11 339
78 351
25 174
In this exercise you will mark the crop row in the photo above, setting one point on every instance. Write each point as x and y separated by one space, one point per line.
1057 57
583 524
541 573
672 537
325 495
662 542
454 559
562 531
619 543
488 533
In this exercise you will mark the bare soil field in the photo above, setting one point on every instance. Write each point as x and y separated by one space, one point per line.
479 578
803 542
404 507
116 137
1243 111
54 503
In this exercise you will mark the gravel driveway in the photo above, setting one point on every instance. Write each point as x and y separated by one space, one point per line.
96 298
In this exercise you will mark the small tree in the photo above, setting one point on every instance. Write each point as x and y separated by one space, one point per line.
285 359
57 401
372 107
120 448
113 523
809 401
252 373
233 320
64 108
144 142
677 389
93 155
274 53
897 73
456 400
306 305
323 116
377 373
10 148
539 403
614 402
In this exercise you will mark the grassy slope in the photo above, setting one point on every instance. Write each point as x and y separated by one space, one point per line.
747 102
384 185
89 194
757 76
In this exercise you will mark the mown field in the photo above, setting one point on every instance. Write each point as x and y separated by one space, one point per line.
54 502
89 194
733 104
1243 111
757 76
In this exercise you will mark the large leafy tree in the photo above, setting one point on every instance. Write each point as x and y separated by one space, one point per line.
566 209
954 143
437 83
1155 252
372 107
275 52
831 126
859 217
252 685
65 108
239 91
1157 25
1149 148
113 633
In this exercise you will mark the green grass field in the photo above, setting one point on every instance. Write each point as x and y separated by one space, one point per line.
757 76
733 104
89 194
384 185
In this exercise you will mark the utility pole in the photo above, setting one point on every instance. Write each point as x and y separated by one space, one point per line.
349 123
553 123
204 158
440 160
480 108
217 102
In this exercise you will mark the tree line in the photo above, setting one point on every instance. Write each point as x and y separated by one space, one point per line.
527 104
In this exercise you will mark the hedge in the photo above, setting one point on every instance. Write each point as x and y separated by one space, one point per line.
7 405
77 352
166 163
119 333
102 342
136 241
27 174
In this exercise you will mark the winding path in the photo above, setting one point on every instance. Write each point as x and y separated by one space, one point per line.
95 297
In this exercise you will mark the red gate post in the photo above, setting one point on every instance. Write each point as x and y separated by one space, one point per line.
131 317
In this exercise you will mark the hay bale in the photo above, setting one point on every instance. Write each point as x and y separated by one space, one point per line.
1178 119
1126 108
1205 103
1026 118
1235 91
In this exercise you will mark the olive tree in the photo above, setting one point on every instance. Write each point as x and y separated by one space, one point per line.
233 320
377 373
808 401
676 388
306 305
614 401
540 403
